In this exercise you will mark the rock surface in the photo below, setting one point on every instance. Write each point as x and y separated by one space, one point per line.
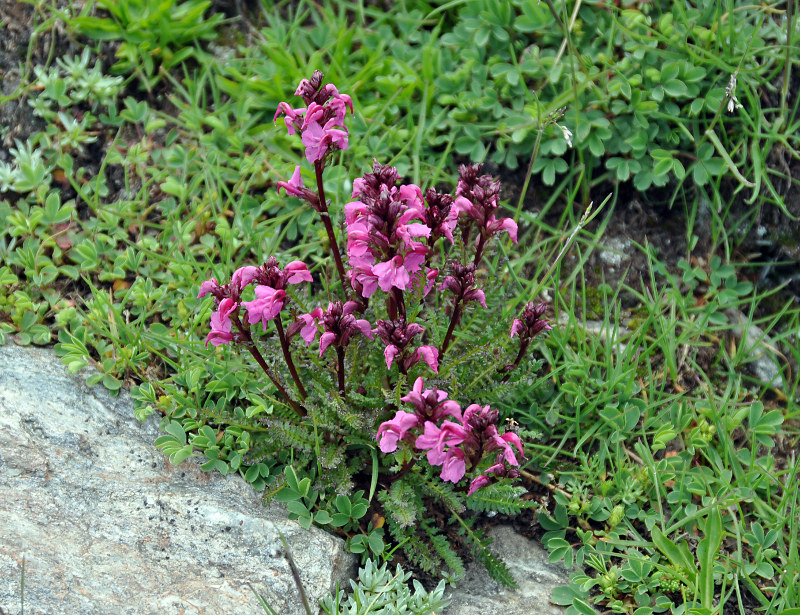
106 525
477 594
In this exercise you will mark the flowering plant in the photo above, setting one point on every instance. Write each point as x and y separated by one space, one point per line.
405 282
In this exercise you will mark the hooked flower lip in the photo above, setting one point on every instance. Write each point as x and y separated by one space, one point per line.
266 306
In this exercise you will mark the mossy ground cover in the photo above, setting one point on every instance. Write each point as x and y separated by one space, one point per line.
140 158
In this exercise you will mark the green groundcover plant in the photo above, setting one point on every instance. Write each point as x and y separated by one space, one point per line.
374 386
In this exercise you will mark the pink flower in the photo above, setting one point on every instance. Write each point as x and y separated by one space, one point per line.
362 279
297 272
504 442
294 185
326 340
431 405
220 331
338 321
354 209
266 306
531 323
306 325
491 475
391 432
479 481
453 466
396 272
429 355
243 276
406 233
340 103
430 281
318 139
389 353
506 224
434 439
208 287
293 119
221 323
314 115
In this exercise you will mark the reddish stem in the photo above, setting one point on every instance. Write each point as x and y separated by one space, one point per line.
287 355
326 220
479 250
456 316
340 357
522 349
250 345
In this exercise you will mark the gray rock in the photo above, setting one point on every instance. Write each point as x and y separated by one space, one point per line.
106 525
478 594
758 350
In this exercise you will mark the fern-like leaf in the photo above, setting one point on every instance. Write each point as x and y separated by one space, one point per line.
443 491
500 497
442 547
291 435
496 567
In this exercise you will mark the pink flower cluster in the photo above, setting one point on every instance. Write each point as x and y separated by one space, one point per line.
384 224
477 196
458 445
338 322
321 122
397 335
531 323
270 281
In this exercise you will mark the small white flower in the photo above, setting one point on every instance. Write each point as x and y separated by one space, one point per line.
567 134
730 94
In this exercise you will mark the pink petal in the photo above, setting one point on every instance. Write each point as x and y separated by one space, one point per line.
365 327
294 185
390 353
227 307
218 338
451 408
243 276
413 329
476 295
430 355
477 482
454 467
309 332
463 205
326 340
207 287
298 272
391 431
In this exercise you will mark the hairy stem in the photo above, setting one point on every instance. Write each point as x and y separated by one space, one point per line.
326 220
522 349
260 360
398 299
479 250
287 355
340 357
454 318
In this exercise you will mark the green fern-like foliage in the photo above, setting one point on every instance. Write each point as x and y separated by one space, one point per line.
451 559
402 504
443 492
496 567
292 435
500 497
